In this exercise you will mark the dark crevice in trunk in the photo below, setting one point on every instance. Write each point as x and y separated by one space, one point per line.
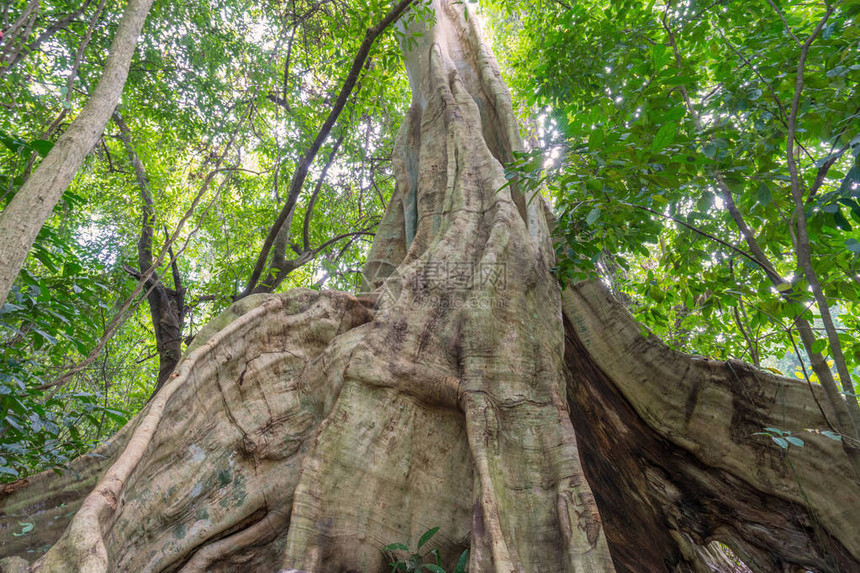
246 523
653 495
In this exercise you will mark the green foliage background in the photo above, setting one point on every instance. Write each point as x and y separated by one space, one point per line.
634 181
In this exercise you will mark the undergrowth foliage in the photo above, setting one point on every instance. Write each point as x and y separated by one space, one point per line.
406 560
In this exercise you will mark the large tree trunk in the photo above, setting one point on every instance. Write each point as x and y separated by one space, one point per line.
305 431
670 447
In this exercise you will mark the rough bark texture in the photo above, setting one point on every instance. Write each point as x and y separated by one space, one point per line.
305 431
670 449
22 219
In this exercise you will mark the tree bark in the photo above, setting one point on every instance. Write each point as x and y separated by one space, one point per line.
306 431
670 447
34 202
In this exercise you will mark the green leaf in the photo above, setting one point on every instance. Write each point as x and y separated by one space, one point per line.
841 221
593 216
116 416
819 346
426 537
433 568
780 442
9 307
680 80
665 136
763 195
395 547
45 335
795 441
14 144
464 559
659 56
851 179
42 146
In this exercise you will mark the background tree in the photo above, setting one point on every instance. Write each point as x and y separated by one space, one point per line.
23 217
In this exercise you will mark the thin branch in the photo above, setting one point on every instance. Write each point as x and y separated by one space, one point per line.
756 72
303 167
363 232
698 231
79 56
822 172
313 200
286 81
784 23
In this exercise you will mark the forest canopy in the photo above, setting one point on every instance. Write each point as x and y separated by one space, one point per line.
701 158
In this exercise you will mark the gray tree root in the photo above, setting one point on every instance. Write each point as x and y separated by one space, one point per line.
670 449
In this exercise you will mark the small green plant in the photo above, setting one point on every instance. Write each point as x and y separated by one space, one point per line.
416 561
781 438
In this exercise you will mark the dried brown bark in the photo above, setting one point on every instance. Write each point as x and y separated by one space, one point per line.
305 431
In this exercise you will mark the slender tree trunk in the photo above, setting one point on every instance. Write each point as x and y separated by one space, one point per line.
544 432
166 305
34 202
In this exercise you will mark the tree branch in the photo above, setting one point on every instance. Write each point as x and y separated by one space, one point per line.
302 170
822 172
784 23
79 56
803 249
312 203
